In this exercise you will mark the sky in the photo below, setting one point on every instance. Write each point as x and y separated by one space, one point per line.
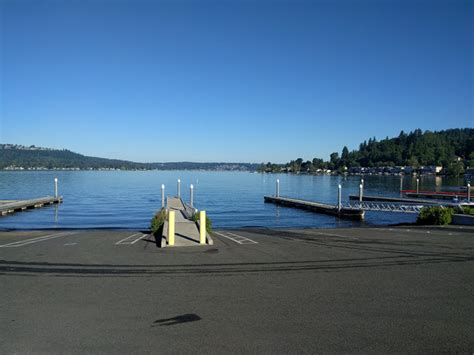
234 81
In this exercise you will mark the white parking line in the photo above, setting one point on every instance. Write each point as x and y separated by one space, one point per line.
131 239
136 240
21 243
237 238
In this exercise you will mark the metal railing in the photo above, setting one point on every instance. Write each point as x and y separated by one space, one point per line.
402 207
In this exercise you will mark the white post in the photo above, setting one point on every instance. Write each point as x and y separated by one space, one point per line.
417 185
179 188
401 183
56 187
339 198
191 193
361 192
162 195
468 192
278 188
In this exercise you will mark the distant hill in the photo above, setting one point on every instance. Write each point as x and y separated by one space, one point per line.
452 149
14 157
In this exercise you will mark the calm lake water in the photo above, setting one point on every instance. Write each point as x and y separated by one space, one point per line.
128 199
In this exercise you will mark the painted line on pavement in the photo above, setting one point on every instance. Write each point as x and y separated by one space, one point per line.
131 239
136 240
237 238
21 243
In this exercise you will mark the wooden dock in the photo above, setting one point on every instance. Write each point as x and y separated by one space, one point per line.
11 206
317 207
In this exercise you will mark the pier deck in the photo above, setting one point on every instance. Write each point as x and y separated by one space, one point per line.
186 230
317 207
11 206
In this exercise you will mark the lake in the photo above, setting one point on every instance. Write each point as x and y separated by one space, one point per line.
128 199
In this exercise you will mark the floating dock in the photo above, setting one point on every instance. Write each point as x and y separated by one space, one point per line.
391 199
438 195
11 206
317 207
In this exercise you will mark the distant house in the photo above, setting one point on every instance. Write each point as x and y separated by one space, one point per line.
431 169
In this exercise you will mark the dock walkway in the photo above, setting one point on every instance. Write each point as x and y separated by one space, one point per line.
351 213
11 206
186 230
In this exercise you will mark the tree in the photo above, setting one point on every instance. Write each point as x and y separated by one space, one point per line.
413 162
455 168
415 148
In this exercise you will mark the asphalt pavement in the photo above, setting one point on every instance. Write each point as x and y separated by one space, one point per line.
370 290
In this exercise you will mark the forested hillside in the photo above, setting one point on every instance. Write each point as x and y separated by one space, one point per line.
417 148
14 156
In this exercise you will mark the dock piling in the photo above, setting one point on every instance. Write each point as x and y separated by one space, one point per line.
179 188
361 192
468 192
417 185
56 187
162 195
278 188
191 195
339 198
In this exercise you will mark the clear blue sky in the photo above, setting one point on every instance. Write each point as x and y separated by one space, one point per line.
231 80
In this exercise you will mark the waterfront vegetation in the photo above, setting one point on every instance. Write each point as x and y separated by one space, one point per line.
468 210
435 215
208 222
157 222
452 149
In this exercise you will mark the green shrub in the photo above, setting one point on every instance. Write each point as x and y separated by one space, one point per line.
468 210
157 221
435 215
208 221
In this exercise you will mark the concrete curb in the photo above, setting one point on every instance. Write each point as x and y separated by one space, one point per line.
463 219
164 235
209 240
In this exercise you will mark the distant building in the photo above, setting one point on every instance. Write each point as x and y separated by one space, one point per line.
432 169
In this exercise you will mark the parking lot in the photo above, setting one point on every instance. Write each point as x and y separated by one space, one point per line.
307 290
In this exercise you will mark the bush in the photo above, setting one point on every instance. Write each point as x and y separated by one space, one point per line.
157 221
435 215
468 210
208 221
